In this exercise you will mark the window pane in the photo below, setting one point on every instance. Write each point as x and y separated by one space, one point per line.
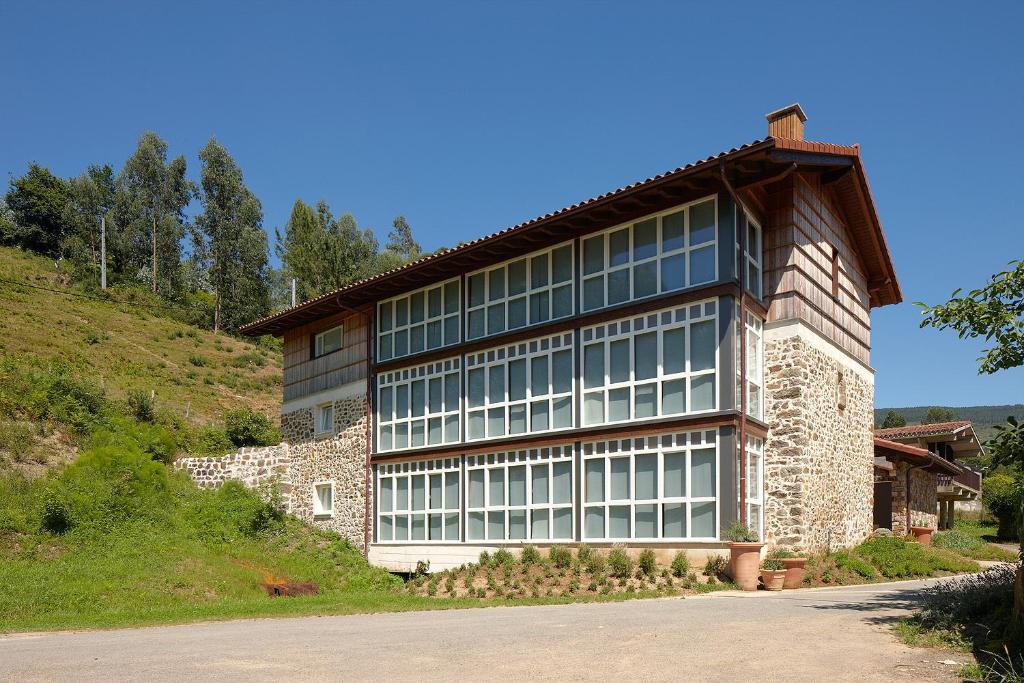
401 401
645 279
618 286
702 471
476 425
385 407
646 355
419 491
385 316
619 478
593 525
517 419
451 330
595 480
476 488
673 351
476 387
517 485
539 375
418 433
646 521
496 526
451 297
593 293
496 383
675 475
434 334
618 521
702 392
646 476
673 272
645 400
703 519
673 397
401 528
539 307
561 372
451 526
402 343
539 484
496 318
451 391
451 428
386 494
618 404
517 277
702 346
517 313
475 529
476 324
561 264
645 239
402 436
618 248
496 422
451 490
516 525
539 524
702 265
435 391
673 520
702 222
434 302
496 486
385 347
593 408
476 289
402 312
387 527
419 399
593 365
385 438
539 271
416 308
539 421
562 523
517 380
561 482
618 361
672 227
496 284
593 255
416 339
561 413
436 488
561 301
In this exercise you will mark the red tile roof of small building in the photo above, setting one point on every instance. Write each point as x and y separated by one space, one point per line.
913 431
921 456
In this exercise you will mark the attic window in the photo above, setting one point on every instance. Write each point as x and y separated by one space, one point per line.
327 342
835 273
840 392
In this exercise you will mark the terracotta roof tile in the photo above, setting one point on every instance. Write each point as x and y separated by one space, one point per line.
911 431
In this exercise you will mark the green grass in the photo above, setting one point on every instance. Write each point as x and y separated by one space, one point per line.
897 559
983 531
971 545
911 631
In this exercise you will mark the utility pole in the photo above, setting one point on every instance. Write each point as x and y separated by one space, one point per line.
293 292
103 252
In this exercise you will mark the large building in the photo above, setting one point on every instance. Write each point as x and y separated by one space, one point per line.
643 367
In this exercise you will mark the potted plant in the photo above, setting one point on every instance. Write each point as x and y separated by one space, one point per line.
773 574
744 555
794 565
922 534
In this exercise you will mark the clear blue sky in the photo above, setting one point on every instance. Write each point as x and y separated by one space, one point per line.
471 117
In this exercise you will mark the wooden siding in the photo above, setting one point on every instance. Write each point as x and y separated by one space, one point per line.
803 228
304 375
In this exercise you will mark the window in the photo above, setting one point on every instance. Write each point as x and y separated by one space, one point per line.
658 254
834 257
531 290
423 320
325 418
752 258
519 389
418 406
418 501
323 499
655 487
662 363
327 342
520 495
755 485
755 366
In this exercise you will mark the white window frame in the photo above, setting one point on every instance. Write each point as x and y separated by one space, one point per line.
393 381
493 301
752 258
527 351
498 464
444 510
320 418
755 484
660 254
629 328
318 510
606 451
754 329
318 341
386 336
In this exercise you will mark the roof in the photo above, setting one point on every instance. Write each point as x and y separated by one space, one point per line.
610 209
919 457
917 431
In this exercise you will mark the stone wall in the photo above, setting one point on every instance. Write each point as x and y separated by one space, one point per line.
819 453
923 499
302 460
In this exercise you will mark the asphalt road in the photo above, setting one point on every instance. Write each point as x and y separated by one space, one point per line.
837 634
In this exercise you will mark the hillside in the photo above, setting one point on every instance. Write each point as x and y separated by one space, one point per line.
984 417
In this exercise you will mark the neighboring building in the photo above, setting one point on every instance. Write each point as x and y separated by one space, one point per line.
928 460
643 367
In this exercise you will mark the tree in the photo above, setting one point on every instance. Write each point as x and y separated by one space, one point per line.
8 224
41 205
231 241
401 247
936 415
92 195
152 196
893 419
995 312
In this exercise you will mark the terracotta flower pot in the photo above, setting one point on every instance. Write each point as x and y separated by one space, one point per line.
794 571
922 534
744 561
773 579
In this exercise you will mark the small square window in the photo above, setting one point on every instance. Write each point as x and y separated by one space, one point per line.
325 418
323 499
327 342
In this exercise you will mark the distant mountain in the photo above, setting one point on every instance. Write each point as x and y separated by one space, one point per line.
984 417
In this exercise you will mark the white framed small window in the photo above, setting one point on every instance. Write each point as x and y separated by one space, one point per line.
327 341
323 498
325 418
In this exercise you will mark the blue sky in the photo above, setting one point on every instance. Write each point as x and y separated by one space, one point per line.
474 116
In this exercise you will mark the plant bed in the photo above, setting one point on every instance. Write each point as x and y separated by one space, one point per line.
794 565
884 559
773 575
745 555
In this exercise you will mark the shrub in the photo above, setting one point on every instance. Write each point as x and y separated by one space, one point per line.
772 564
584 552
1002 496
620 564
781 554
560 556
197 360
967 545
647 562
738 532
503 558
845 560
56 516
680 565
716 565
595 563
485 559
141 406
895 558
245 427
529 556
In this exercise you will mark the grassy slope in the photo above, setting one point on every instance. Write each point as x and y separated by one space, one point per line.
134 348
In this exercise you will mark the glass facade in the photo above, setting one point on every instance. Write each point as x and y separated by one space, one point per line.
421 321
419 501
419 406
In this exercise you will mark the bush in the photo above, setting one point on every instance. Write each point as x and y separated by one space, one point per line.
717 565
967 545
845 560
738 532
56 516
529 556
680 565
620 564
245 427
647 562
560 556
503 558
141 406
233 509
595 562
485 559
1002 496
584 552
897 559
198 360
772 564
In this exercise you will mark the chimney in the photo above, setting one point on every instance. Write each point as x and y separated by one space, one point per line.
787 122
